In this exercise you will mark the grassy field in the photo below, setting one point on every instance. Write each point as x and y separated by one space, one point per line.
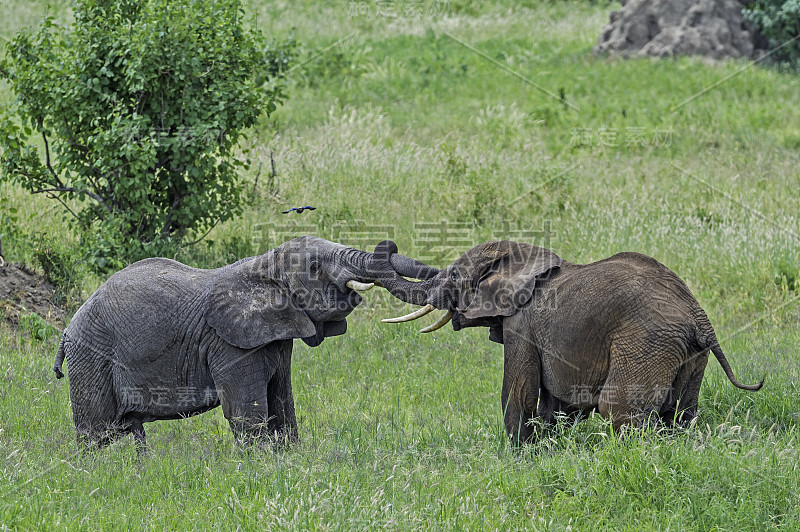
409 129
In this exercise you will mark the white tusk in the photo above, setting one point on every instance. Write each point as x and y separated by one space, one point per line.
439 324
414 315
358 286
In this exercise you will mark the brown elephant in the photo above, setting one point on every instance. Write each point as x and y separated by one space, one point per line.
623 335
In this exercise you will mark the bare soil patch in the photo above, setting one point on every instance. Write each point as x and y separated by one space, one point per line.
23 291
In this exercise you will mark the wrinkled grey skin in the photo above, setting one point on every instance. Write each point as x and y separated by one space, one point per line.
161 340
624 335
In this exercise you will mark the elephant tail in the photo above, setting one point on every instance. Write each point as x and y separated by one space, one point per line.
705 339
726 367
59 361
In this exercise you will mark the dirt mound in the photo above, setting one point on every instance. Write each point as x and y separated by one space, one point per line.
23 291
663 28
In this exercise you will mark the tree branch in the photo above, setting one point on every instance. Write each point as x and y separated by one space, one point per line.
167 229
58 199
204 234
47 155
49 192
258 174
54 189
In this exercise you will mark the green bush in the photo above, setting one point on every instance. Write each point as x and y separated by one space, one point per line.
138 107
36 327
59 264
779 21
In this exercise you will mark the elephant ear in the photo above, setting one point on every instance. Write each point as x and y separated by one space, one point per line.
249 307
508 277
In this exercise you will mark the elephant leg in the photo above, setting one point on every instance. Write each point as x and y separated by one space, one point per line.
241 379
624 408
548 406
282 421
91 390
636 386
139 437
681 404
521 381
133 423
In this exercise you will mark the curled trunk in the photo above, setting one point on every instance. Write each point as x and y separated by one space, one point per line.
392 268
371 267
415 269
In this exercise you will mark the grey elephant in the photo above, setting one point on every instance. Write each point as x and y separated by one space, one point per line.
623 335
161 340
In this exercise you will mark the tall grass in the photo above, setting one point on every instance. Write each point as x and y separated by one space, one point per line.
400 128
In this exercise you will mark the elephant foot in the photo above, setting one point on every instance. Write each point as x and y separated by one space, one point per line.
285 438
527 432
140 438
94 437
273 441
248 433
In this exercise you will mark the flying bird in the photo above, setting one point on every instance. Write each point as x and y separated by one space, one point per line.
300 209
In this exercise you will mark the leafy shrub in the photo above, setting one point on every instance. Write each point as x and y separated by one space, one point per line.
36 327
140 106
788 276
59 264
779 21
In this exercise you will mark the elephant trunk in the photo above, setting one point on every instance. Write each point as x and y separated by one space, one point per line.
359 262
415 269
368 268
391 268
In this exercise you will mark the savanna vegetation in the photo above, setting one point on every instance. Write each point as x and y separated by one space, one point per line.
402 120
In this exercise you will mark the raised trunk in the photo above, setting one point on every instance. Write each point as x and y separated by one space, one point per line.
391 268
408 267
370 268
359 262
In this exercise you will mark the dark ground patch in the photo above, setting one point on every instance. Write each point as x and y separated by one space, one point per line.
23 291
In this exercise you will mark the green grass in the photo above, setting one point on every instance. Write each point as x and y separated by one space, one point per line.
399 126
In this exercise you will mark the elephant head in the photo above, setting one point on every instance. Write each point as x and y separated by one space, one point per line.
490 281
304 289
